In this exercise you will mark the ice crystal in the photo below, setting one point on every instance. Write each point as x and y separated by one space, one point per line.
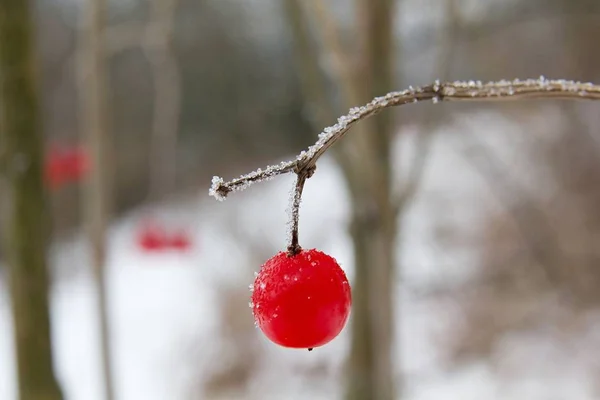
217 183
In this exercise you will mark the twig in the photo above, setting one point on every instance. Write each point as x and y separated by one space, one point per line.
451 91
341 63
342 70
305 163
424 140
92 90
530 220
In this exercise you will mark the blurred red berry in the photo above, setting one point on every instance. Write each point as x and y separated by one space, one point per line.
65 165
301 301
54 170
152 238
180 241
76 161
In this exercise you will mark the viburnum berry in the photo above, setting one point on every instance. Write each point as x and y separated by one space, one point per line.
65 165
301 301
180 241
152 238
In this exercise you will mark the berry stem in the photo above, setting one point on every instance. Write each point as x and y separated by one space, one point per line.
301 177
294 248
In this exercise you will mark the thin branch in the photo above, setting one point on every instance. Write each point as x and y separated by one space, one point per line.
424 140
313 82
342 72
92 90
504 90
532 224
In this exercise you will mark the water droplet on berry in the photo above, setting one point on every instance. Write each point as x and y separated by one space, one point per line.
313 263
250 304
263 285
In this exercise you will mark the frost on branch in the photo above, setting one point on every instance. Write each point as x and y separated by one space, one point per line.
436 92
219 189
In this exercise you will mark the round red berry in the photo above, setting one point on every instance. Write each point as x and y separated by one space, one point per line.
301 301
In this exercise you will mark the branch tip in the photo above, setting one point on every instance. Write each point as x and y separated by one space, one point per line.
218 189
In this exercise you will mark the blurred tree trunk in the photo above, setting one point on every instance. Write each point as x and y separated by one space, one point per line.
373 224
157 46
25 228
93 86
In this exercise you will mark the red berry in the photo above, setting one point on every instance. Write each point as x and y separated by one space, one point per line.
301 301
77 163
65 164
180 241
152 238
55 172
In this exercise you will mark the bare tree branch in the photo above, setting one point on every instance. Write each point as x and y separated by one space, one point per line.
540 238
504 90
342 72
425 138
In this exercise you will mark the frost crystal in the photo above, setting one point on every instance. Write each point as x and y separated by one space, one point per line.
294 198
219 188
217 182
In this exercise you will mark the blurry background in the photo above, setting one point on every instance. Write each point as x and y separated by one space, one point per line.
471 233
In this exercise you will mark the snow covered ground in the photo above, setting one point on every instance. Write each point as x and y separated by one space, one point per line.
163 305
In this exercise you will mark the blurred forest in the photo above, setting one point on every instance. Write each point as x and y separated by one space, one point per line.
196 88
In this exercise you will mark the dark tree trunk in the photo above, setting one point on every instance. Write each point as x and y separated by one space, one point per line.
25 220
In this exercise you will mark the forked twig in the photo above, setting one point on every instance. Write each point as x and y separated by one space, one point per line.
305 163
